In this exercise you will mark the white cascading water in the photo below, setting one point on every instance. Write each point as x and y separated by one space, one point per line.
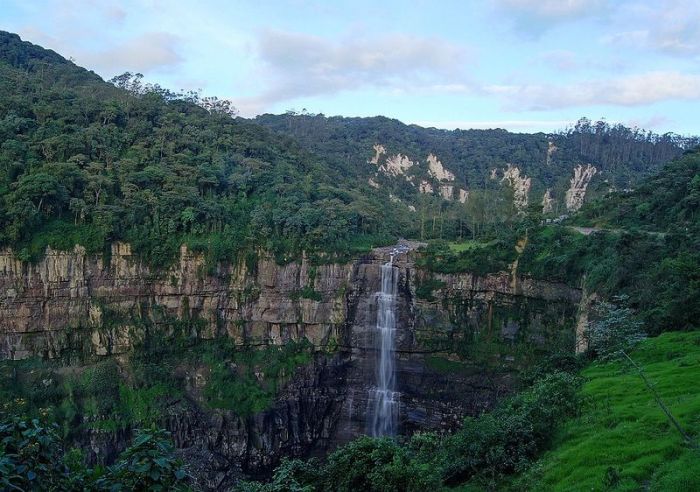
383 398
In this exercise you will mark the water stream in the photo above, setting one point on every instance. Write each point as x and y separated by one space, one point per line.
383 411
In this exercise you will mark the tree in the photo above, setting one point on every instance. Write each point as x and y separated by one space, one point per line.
614 331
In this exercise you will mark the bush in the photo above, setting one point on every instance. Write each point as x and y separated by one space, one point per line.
374 465
506 440
33 457
148 464
614 331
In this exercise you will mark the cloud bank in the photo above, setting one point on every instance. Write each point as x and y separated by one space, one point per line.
299 65
633 90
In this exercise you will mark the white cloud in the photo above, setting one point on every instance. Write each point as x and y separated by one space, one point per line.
671 27
143 53
533 17
298 65
634 90
551 9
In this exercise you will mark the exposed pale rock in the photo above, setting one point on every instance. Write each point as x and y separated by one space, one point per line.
397 165
40 304
437 171
578 186
412 208
551 149
44 311
373 183
379 150
519 184
494 174
588 299
547 202
463 196
425 187
447 191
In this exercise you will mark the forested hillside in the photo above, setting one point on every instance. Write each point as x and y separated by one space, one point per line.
84 161
256 343
621 155
643 244
89 162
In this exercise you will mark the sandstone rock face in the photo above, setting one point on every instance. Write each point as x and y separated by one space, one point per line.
519 184
397 165
463 195
547 202
40 304
379 151
425 187
578 186
70 301
447 191
437 170
551 149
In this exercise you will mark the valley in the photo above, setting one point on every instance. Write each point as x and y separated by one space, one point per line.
303 302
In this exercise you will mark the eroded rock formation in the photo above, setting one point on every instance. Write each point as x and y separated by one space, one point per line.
379 151
578 186
437 171
463 196
547 202
551 149
61 305
519 184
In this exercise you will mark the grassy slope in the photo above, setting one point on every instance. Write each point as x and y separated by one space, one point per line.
622 427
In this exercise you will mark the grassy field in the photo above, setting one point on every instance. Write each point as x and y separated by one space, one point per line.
622 441
469 244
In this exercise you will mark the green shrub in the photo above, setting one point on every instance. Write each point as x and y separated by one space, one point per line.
147 464
376 465
506 440
425 288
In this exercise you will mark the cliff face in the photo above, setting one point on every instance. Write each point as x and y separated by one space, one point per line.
459 345
40 304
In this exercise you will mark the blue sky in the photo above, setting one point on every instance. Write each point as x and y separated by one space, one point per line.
524 65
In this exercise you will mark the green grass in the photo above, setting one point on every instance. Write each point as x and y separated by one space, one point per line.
468 245
622 432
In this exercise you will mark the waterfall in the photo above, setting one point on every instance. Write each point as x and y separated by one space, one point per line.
383 411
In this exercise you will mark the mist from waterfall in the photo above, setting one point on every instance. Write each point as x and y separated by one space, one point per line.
383 411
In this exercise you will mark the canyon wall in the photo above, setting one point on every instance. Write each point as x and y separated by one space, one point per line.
461 342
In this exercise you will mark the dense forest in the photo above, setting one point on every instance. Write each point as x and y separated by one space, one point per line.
622 155
88 162
84 161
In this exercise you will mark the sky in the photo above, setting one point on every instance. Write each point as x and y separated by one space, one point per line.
522 65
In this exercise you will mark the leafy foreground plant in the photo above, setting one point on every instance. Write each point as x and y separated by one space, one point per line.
32 457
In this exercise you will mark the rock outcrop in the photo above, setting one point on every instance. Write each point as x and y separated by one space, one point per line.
437 170
547 202
578 186
459 345
519 184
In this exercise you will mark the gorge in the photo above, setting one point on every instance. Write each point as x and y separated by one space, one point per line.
190 299
102 309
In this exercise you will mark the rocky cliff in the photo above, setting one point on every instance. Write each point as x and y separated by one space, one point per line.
462 340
